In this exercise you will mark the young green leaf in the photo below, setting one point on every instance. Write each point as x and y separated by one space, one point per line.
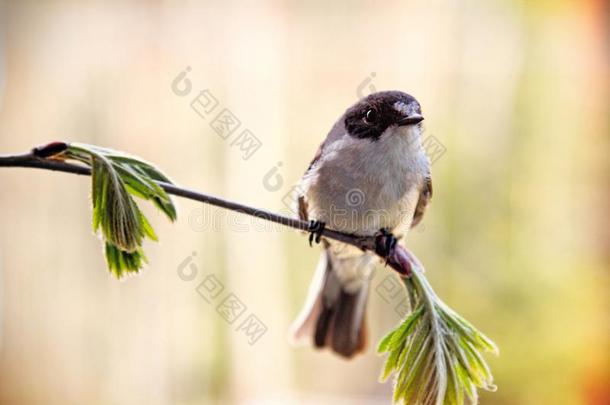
435 354
116 179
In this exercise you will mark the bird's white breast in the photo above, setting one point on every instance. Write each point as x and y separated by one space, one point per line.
360 186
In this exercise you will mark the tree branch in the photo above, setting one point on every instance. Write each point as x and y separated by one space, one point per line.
400 260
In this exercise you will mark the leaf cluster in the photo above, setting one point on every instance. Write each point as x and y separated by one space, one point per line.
435 354
116 179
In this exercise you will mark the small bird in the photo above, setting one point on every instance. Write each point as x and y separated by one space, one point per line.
370 177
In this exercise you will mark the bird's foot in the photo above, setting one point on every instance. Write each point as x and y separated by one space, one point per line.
316 228
385 242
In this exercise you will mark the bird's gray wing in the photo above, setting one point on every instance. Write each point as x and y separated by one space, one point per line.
302 208
336 132
424 198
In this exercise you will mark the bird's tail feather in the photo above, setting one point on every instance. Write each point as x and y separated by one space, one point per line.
333 316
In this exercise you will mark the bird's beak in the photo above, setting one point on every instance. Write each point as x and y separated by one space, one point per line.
411 119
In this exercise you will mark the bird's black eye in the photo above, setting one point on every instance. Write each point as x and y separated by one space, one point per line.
371 116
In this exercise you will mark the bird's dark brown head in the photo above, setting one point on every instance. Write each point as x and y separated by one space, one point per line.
371 116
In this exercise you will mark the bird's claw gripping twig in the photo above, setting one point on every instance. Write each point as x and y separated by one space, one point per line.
385 243
316 228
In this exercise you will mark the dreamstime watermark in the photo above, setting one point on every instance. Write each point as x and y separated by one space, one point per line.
205 219
434 148
390 290
273 180
355 197
229 306
366 87
353 214
225 123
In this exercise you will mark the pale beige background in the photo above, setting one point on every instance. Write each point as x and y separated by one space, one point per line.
516 238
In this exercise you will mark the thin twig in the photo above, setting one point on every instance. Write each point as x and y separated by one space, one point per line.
401 264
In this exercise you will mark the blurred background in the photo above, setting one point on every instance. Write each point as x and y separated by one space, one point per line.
516 99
